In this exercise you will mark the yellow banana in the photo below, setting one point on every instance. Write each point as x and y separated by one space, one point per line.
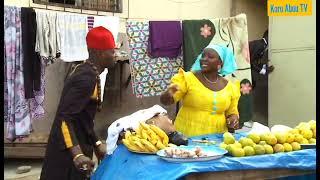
161 134
130 146
148 145
144 125
154 141
145 134
134 138
159 145
138 131
165 141
152 134
127 134
140 145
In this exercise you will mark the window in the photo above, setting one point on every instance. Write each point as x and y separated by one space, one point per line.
96 5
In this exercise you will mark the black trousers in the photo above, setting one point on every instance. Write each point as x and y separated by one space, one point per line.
31 60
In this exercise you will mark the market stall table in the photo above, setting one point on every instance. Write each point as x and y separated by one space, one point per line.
123 164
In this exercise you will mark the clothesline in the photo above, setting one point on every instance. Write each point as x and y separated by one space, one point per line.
97 14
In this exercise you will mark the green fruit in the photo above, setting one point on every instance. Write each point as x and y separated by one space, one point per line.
255 138
223 145
307 133
281 137
228 138
294 131
262 143
303 125
229 148
271 140
278 148
290 138
263 137
268 149
295 146
287 147
304 141
237 144
238 152
313 124
246 142
314 133
312 141
298 138
259 149
248 151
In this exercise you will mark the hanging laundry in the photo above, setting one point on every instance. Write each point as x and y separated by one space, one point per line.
5 88
48 43
197 34
73 31
165 39
150 76
231 32
31 60
37 103
111 23
90 21
245 104
103 78
18 112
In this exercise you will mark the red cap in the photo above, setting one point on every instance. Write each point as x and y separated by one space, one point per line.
100 38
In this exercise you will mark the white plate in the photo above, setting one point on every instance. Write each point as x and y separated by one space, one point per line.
213 153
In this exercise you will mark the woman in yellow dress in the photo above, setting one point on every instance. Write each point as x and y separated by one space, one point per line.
209 101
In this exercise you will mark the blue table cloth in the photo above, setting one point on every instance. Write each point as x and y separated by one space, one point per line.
123 164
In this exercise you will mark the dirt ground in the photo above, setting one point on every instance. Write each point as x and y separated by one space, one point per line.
11 165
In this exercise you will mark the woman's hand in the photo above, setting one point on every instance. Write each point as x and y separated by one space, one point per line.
172 89
167 97
233 122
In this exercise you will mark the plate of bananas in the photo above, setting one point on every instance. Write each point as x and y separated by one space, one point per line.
146 139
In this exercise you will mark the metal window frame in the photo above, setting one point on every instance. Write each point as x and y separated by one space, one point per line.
118 4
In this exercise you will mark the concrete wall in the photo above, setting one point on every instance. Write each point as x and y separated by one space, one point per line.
258 22
112 107
157 9
257 17
292 85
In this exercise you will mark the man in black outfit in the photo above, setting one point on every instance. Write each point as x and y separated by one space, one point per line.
72 138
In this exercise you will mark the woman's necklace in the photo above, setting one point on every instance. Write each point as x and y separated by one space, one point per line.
212 82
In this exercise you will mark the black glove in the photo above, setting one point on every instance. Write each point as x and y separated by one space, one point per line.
178 138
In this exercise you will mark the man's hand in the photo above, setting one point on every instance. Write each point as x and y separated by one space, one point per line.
84 164
100 152
81 162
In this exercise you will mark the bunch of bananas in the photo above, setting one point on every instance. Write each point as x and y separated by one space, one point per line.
147 138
